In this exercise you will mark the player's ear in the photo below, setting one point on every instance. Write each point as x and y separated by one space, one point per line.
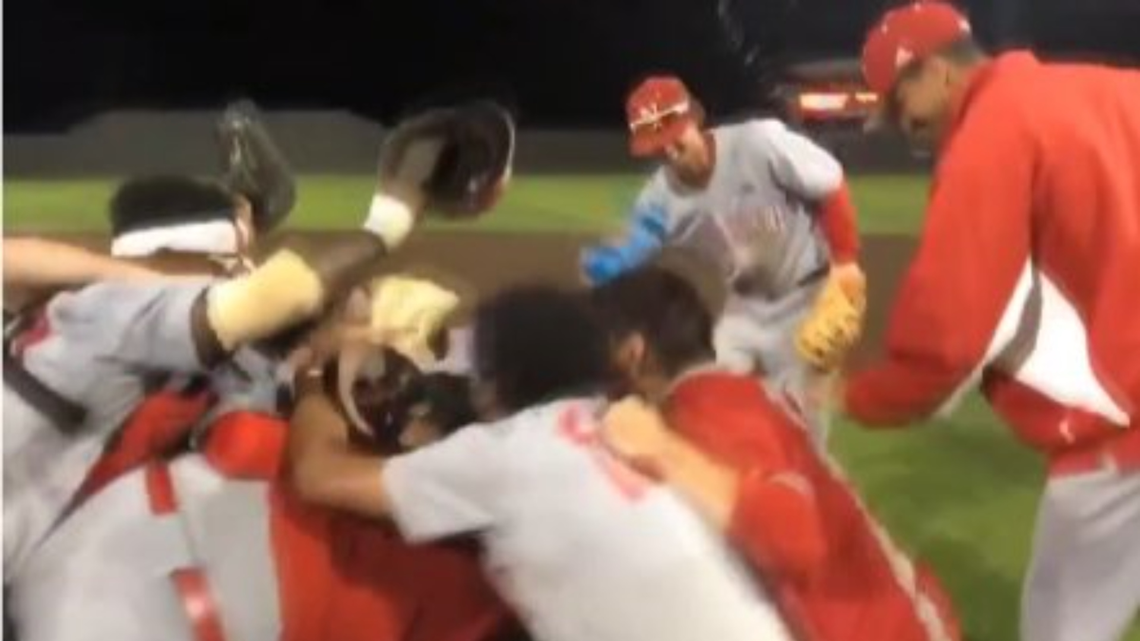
629 355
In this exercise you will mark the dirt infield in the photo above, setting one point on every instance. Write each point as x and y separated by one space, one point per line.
481 263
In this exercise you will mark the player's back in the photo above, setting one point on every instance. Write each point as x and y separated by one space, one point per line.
864 587
587 549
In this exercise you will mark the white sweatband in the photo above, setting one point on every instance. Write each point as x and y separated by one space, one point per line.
211 237
391 219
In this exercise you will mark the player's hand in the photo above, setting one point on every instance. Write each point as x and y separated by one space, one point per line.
824 393
851 280
636 431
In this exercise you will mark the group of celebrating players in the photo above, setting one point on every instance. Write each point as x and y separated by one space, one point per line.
217 434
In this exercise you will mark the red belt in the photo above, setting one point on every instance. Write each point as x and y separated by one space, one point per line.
1120 451
190 582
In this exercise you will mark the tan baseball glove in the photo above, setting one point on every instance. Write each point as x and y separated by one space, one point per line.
835 322
407 312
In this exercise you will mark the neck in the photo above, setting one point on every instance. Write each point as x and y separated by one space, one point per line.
657 386
701 178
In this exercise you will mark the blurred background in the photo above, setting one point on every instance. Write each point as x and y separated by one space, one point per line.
344 68
566 63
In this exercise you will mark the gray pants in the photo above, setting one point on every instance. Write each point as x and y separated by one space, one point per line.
42 469
1084 581
104 573
757 334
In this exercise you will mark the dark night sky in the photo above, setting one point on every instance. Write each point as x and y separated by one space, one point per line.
563 62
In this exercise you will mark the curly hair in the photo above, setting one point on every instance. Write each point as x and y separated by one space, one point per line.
536 343
665 309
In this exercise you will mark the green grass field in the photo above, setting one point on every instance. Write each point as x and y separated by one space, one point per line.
960 493
564 203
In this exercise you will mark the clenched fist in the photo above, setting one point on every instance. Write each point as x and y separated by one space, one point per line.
636 431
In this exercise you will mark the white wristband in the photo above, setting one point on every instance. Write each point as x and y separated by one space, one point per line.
391 219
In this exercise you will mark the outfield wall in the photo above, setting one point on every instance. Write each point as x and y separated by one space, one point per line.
127 142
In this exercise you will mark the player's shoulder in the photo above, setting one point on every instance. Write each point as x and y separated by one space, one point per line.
714 390
713 384
545 416
762 129
115 302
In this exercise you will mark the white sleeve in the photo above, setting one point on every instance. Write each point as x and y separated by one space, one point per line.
446 488
797 163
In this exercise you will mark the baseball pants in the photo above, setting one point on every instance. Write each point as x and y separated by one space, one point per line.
757 335
1084 579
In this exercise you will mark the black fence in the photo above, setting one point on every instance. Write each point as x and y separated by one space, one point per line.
119 143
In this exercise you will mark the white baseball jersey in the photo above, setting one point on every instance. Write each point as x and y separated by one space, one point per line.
579 544
104 345
755 219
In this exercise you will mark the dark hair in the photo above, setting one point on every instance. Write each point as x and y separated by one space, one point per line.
662 307
448 401
535 343
964 50
156 201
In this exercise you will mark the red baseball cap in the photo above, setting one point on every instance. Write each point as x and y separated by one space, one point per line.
658 110
908 33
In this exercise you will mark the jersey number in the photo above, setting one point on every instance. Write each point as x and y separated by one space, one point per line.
581 431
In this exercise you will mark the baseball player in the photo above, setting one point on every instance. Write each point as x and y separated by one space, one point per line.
221 549
159 214
580 545
66 392
1024 279
182 227
754 475
766 206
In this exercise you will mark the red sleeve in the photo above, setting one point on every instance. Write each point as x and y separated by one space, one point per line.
775 519
160 421
971 268
840 227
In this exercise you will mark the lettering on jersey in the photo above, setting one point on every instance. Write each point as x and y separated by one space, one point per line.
749 237
580 429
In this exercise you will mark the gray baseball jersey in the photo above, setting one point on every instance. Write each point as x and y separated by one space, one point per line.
578 543
755 219
104 346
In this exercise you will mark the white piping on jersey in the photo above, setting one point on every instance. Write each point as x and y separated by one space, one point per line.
793 481
1057 363
902 567
213 237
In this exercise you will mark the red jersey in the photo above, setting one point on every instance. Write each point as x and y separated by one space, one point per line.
1028 270
832 568
349 579
339 577
344 577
